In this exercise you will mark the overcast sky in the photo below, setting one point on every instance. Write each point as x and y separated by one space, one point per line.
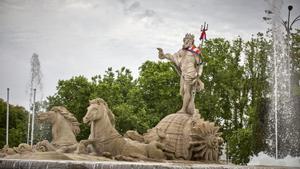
85 37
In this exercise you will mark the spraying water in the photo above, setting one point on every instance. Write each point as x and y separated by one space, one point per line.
36 77
283 138
35 87
282 129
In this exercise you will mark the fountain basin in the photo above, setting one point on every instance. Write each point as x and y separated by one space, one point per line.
69 164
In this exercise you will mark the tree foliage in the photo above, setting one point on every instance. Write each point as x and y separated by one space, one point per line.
235 79
17 124
295 57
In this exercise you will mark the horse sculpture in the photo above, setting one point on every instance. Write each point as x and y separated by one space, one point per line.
105 139
64 129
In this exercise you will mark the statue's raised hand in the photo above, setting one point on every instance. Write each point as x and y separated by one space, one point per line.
160 53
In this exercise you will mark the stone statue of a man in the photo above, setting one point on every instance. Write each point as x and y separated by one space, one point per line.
188 64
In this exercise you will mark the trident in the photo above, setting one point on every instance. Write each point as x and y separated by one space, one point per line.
203 30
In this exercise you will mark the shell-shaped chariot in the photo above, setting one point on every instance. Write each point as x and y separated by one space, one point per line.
186 137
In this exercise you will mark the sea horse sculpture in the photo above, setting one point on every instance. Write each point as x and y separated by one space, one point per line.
65 127
105 139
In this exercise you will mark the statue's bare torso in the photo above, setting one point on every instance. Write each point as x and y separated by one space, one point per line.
190 70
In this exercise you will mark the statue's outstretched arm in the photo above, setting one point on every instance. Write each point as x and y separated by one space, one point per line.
168 56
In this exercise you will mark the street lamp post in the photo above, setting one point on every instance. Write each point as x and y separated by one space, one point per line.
288 25
7 116
290 7
32 120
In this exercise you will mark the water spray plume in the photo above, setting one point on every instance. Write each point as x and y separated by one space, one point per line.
282 135
35 88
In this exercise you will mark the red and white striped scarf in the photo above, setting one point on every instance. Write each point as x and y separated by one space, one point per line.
194 50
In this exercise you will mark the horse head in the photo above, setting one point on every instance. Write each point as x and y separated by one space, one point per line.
57 115
97 110
48 116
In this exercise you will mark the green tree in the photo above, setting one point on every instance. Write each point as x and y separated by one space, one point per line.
256 75
17 124
74 94
295 57
159 87
114 87
235 79
224 99
221 76
239 151
120 91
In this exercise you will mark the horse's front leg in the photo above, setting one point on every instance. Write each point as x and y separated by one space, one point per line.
82 146
68 149
44 146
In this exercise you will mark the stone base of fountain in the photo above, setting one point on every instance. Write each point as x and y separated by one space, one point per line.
52 155
70 164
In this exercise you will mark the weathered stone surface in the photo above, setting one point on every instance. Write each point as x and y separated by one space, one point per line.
187 137
188 65
65 127
104 138
50 164
53 155
184 135
177 136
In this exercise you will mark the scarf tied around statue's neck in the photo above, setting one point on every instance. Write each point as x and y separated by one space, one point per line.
194 50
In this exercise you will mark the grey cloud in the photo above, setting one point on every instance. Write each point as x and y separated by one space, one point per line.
140 13
149 13
133 7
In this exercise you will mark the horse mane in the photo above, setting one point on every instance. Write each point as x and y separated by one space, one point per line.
100 101
68 116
